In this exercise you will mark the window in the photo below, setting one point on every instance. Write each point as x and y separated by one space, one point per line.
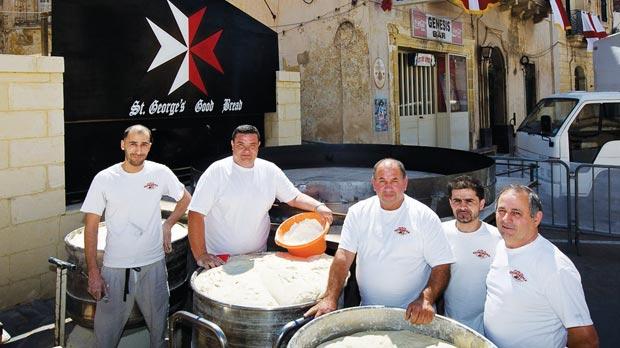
611 118
458 84
557 109
596 125
456 93
580 79
416 83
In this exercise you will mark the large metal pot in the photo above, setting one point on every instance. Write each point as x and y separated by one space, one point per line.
371 318
81 306
244 326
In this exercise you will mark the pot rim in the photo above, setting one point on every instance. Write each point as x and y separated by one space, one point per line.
74 247
386 309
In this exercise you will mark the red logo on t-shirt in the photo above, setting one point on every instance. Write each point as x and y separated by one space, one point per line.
401 230
517 275
150 185
481 253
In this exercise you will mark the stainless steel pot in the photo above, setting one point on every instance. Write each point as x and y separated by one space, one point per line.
81 306
369 318
244 326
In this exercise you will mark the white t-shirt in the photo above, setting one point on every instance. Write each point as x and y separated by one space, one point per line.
132 211
395 249
464 297
534 294
235 202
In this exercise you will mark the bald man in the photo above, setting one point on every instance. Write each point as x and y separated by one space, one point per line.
403 256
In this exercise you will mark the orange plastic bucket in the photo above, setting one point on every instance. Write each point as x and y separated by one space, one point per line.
314 247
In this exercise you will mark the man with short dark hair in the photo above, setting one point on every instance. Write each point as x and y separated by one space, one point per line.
229 211
473 243
534 294
134 267
403 257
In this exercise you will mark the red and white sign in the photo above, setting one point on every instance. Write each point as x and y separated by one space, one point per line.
436 28
424 59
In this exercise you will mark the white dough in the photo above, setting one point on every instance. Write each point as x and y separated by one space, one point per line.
266 280
381 339
77 239
303 232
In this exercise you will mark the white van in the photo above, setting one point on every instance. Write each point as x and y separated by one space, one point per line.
575 127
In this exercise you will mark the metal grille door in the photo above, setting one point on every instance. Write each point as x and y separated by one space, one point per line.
417 101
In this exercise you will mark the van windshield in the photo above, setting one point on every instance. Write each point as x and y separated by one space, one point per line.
557 109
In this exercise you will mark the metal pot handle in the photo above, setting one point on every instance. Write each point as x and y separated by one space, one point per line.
195 320
291 326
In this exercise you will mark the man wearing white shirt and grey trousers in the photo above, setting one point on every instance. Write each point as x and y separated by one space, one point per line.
134 267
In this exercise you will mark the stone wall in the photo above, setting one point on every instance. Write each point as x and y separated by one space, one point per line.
571 58
283 127
33 220
22 41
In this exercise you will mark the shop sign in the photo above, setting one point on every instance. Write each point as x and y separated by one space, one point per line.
424 59
144 59
436 28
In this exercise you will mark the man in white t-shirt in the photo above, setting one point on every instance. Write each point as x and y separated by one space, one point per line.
403 257
473 243
228 214
134 267
534 294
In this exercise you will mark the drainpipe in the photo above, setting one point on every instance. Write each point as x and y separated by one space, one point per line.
552 54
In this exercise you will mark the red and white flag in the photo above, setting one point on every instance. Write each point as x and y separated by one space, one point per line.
592 29
558 13
386 5
476 6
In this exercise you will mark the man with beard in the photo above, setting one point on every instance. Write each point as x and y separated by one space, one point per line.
403 258
473 243
134 267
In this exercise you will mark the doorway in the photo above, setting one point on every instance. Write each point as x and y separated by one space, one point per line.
580 79
529 71
417 75
495 111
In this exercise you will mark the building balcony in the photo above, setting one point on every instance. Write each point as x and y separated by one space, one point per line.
537 10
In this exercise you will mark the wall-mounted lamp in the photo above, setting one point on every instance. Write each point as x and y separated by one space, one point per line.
485 52
525 60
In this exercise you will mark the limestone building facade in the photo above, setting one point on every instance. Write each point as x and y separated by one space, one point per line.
426 72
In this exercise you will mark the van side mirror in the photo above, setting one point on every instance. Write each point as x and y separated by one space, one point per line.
545 124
